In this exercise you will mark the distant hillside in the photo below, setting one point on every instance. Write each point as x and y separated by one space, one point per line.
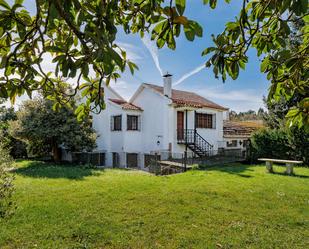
248 115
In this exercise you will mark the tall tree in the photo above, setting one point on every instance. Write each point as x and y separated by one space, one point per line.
16 148
6 183
40 126
80 36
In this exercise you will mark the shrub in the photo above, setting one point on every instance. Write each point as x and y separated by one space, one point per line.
280 143
6 185
299 142
270 143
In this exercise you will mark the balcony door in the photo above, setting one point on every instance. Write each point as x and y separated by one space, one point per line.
180 125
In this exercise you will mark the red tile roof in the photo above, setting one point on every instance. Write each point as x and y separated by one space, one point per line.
190 99
126 105
241 128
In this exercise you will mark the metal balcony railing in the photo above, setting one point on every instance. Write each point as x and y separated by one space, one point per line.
194 141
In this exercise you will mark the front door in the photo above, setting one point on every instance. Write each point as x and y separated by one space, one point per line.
180 125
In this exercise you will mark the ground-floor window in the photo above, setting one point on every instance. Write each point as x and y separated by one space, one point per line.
132 160
232 143
116 160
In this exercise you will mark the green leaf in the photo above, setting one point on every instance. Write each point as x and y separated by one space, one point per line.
264 64
232 25
292 113
192 29
208 50
132 67
189 33
213 3
5 5
3 92
160 43
180 6
85 69
198 29
235 70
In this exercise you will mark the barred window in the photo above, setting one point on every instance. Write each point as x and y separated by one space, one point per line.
204 120
116 123
133 123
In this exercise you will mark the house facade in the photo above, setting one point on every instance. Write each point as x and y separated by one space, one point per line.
157 119
236 134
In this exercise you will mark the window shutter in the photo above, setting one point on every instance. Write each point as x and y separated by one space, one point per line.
214 121
112 123
139 123
128 122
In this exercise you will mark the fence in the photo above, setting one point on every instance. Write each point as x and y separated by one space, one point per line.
160 162
163 162
94 158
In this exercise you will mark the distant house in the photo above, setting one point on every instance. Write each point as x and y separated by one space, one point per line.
236 134
157 119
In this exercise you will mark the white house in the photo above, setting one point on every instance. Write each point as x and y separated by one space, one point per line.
236 134
157 119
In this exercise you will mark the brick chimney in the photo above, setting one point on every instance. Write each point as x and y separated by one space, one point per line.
167 86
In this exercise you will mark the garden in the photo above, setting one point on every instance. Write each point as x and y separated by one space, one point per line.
228 206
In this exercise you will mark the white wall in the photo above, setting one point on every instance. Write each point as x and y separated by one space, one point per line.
158 123
101 121
213 136
155 120
116 141
238 139
132 140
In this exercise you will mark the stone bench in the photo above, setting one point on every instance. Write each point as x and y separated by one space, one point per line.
289 164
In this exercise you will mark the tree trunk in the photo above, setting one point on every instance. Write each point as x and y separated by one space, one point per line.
56 152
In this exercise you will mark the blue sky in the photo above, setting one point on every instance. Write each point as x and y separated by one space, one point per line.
240 95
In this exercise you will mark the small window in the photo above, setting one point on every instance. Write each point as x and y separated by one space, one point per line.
133 123
204 120
116 123
232 143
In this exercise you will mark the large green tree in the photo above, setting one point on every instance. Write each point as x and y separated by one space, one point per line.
16 148
6 182
80 36
46 130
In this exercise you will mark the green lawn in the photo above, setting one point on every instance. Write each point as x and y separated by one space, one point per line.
223 207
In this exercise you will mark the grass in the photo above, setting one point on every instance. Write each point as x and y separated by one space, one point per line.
239 206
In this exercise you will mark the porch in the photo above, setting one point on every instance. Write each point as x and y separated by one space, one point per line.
192 128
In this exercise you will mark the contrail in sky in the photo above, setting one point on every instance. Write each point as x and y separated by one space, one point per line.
153 50
189 74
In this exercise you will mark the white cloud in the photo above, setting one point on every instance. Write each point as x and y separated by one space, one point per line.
153 50
189 74
245 95
134 53
123 88
238 100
